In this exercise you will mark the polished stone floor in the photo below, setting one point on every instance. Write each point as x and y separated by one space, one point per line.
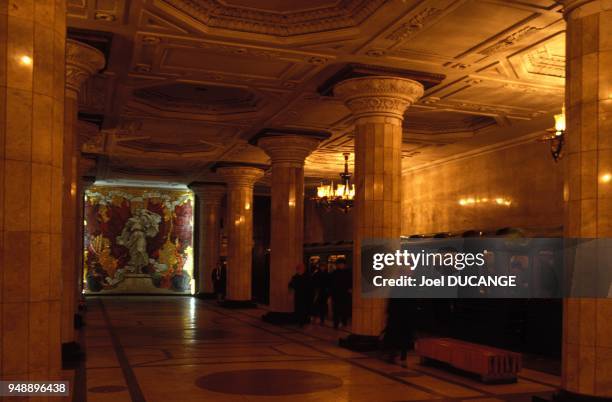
168 349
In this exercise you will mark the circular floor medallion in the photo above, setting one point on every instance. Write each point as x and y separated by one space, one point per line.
268 382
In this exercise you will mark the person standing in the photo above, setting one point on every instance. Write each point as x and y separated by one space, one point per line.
398 335
301 283
341 291
320 280
219 280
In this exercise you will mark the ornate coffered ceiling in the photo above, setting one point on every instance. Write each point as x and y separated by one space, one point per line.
189 82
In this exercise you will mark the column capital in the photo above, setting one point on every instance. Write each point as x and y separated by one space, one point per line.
240 174
582 8
209 193
379 95
82 61
289 147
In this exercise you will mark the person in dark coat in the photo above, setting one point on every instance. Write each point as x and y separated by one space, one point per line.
341 284
301 283
320 280
219 280
398 334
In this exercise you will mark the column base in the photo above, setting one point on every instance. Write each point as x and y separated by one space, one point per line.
279 318
566 396
71 354
238 304
206 296
360 343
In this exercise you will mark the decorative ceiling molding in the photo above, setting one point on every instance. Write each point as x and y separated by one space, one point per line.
414 24
486 66
509 41
335 16
197 98
355 70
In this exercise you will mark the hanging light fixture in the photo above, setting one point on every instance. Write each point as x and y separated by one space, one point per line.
556 136
339 196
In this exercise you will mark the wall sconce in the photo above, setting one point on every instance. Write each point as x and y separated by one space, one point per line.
25 60
556 136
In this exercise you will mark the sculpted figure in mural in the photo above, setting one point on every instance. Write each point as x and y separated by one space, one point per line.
142 225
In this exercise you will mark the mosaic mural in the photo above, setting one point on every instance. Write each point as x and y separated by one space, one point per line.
138 240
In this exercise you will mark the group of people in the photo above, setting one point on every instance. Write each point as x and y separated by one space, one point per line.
312 291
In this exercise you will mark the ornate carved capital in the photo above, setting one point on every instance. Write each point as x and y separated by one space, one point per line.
240 176
288 149
209 193
379 96
573 6
82 61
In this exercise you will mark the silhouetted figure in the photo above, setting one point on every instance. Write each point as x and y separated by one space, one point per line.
301 283
219 280
320 279
398 332
341 283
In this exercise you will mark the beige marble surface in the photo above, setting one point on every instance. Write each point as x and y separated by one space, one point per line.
209 199
587 328
32 43
287 153
378 105
239 228
167 352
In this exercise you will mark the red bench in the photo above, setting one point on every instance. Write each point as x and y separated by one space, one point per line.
492 364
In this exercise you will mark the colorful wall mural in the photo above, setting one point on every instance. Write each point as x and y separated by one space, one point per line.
138 240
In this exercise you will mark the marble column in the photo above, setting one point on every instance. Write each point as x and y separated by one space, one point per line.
239 228
32 44
587 324
82 61
209 197
287 153
378 105
85 178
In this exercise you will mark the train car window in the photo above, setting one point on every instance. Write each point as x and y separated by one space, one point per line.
331 260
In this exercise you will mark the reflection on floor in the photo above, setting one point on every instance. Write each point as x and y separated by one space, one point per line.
184 349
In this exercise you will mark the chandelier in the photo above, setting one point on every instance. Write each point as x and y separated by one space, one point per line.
339 196
556 136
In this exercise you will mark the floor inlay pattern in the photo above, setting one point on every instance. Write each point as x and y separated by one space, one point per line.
268 382
104 389
181 349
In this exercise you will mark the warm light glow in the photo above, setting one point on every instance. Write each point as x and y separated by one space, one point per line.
292 203
560 122
247 206
605 178
478 201
340 195
25 60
